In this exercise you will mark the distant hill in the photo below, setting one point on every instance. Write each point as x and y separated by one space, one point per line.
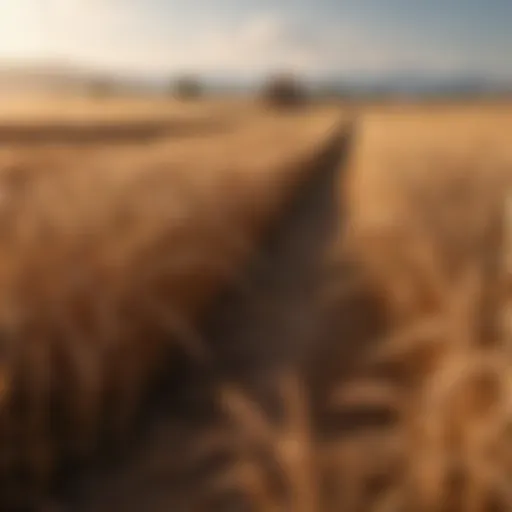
39 77
50 77
413 85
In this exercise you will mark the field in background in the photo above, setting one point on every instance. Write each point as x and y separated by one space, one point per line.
44 108
411 139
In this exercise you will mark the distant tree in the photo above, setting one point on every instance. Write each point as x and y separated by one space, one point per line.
186 87
283 90
101 88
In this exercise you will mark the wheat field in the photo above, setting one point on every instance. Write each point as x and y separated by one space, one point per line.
408 407
430 230
110 254
113 250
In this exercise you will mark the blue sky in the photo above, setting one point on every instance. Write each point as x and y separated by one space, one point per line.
247 37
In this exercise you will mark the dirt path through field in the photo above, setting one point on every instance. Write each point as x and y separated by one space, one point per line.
272 321
259 328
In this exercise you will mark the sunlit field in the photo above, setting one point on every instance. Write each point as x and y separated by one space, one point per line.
428 194
46 108
359 259
425 140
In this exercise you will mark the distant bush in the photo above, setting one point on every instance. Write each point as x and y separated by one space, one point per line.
101 88
283 90
186 87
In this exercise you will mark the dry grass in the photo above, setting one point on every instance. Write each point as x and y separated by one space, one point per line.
47 108
443 371
415 418
431 231
421 418
109 256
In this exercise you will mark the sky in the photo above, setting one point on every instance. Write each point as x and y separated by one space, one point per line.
249 37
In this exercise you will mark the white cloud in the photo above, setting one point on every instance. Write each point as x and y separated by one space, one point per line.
263 42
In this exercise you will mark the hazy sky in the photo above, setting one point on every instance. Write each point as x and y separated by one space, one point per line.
250 36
